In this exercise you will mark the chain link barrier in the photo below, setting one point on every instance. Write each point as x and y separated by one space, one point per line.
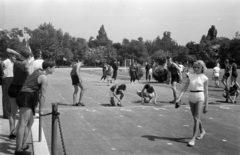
56 114
61 135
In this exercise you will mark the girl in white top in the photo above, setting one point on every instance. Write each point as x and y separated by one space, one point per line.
198 96
216 75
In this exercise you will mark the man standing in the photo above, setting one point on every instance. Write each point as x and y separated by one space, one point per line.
77 82
147 68
7 78
36 81
173 76
115 70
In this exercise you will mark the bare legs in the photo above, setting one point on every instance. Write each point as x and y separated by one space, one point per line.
25 124
75 94
76 91
196 109
174 91
12 118
81 92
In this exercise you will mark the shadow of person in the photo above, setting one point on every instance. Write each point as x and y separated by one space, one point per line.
153 138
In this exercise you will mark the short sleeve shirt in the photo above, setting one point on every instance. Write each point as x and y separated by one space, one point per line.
8 68
197 81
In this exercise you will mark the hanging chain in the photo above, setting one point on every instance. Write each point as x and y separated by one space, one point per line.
61 135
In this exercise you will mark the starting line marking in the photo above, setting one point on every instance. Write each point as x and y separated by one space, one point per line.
126 109
224 107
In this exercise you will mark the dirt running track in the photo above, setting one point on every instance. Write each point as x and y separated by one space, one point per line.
135 129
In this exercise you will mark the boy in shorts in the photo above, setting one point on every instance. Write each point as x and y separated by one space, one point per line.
150 93
77 82
117 90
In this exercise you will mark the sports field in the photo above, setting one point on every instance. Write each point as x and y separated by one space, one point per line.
134 128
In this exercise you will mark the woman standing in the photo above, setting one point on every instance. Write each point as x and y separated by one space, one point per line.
198 98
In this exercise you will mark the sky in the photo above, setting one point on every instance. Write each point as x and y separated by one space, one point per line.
187 20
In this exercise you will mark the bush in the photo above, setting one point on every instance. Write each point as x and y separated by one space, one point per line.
160 74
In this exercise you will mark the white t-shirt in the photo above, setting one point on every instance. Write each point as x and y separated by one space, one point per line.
216 71
181 68
8 68
34 65
197 81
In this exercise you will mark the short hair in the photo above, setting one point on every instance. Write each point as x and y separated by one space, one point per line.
227 61
25 52
123 86
168 57
48 63
147 86
200 62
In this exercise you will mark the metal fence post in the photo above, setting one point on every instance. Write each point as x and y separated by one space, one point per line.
54 128
40 125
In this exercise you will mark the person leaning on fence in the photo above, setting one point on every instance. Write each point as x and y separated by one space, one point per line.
20 74
25 100
117 90
233 92
198 97
149 95
173 76
77 82
216 74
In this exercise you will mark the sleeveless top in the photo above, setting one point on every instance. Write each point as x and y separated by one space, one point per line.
227 68
31 85
114 87
172 69
20 73
74 70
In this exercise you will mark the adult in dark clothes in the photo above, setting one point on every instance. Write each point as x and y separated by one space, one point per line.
132 73
115 70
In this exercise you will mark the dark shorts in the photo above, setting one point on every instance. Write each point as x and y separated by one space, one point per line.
175 78
26 99
235 74
75 80
227 74
14 90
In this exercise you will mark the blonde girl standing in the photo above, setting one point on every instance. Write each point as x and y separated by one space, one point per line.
198 98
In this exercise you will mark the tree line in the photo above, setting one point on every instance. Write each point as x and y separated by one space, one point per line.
63 48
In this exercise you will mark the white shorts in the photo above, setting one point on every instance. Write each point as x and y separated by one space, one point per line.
195 97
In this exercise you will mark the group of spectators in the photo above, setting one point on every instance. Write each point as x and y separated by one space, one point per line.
24 84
